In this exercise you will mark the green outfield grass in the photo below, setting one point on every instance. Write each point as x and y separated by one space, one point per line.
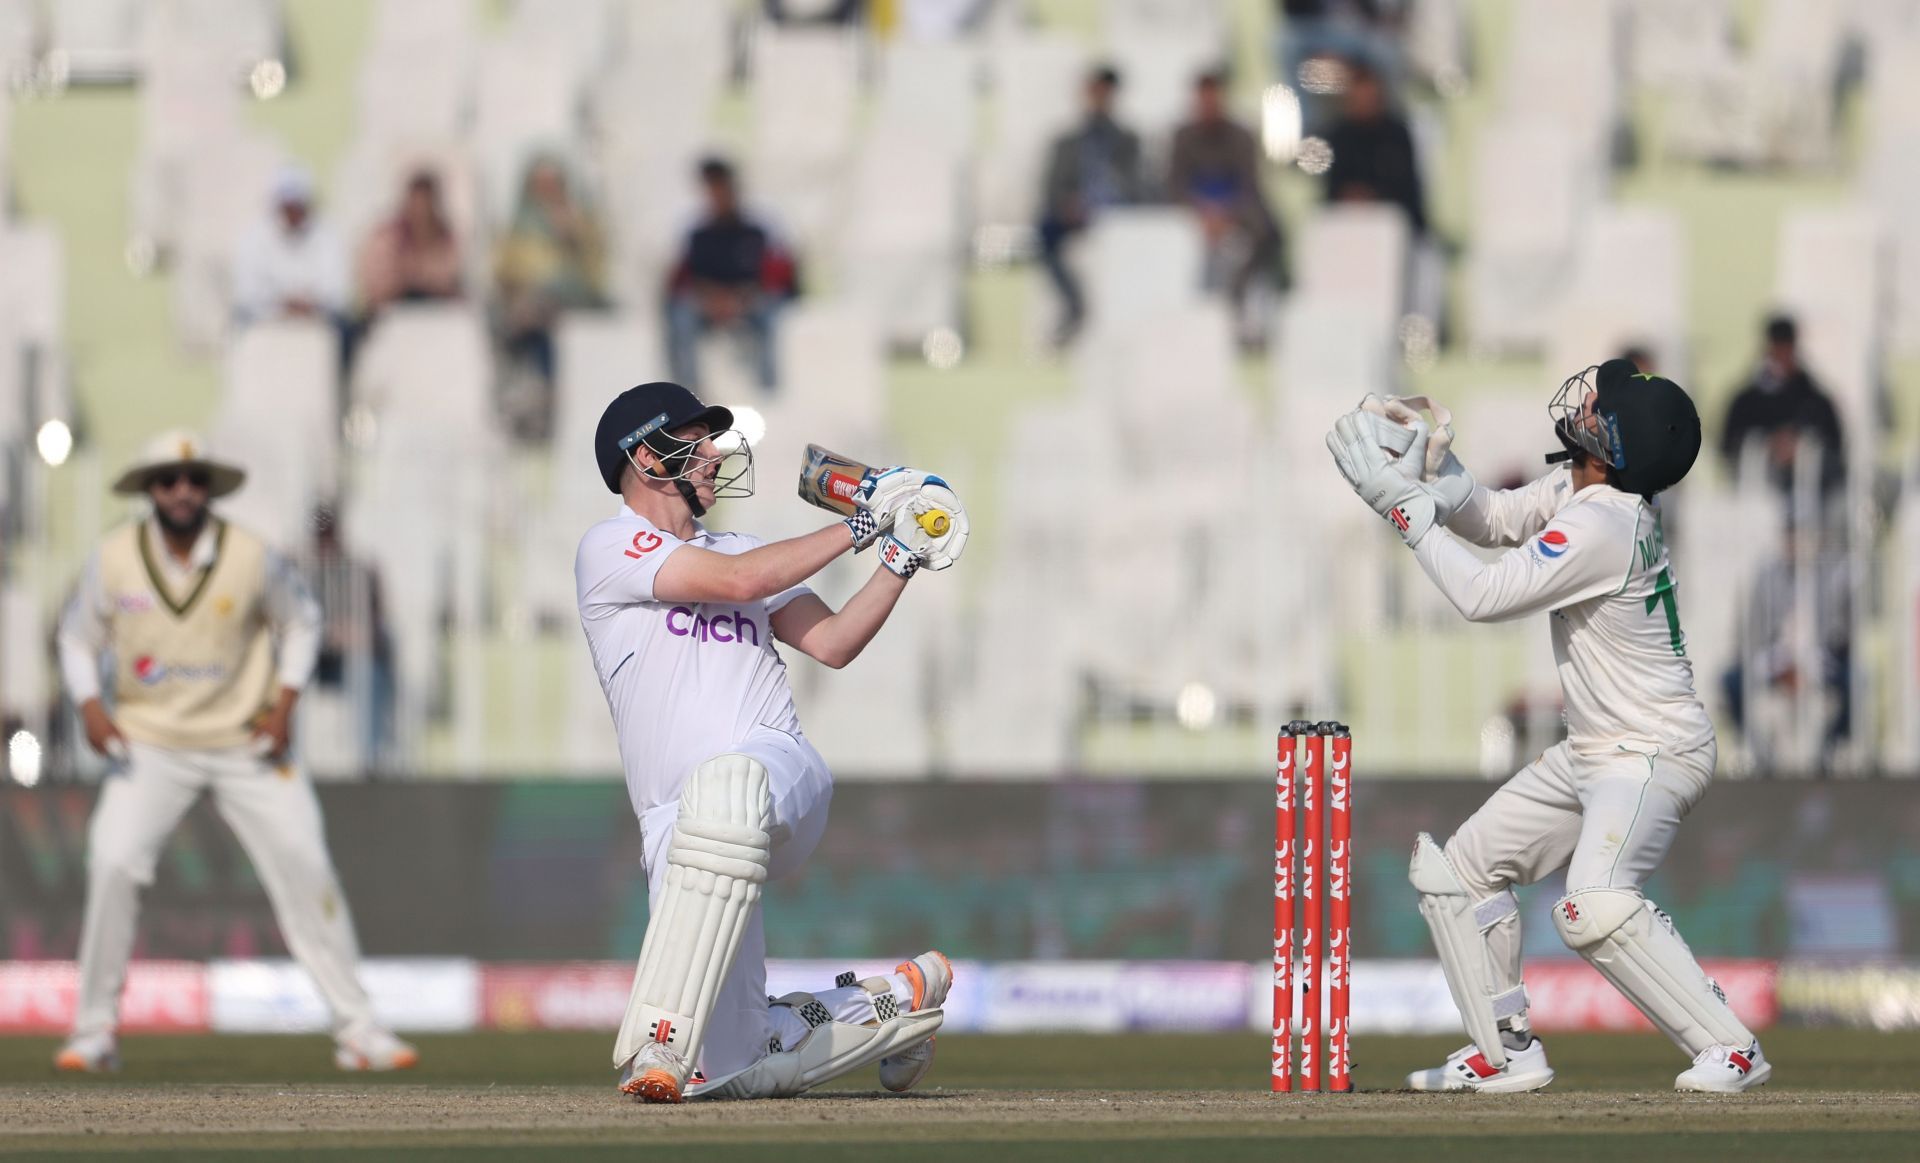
1836 1094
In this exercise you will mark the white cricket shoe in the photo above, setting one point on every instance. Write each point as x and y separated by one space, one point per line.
655 1074
89 1054
372 1048
1726 1070
1468 1069
931 976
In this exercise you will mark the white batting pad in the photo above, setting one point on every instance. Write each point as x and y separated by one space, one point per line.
830 1050
715 870
1459 925
1635 947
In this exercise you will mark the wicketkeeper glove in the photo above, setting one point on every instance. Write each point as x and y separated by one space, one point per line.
1397 421
1389 485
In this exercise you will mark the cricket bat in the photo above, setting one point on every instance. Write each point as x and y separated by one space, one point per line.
830 481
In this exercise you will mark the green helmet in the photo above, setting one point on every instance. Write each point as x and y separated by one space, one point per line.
1640 425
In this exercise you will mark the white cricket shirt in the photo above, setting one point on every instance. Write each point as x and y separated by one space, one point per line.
1596 562
686 681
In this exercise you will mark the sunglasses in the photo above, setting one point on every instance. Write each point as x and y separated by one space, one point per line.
171 478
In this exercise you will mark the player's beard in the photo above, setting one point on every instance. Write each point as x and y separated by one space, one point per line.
183 530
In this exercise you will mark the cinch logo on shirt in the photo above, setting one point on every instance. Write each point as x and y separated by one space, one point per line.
1552 544
683 622
133 603
150 670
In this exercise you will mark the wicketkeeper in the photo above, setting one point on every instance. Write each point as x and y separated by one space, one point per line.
212 636
681 622
1584 546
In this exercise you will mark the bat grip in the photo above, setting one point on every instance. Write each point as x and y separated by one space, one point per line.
935 522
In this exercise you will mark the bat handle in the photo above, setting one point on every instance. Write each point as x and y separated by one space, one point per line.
935 522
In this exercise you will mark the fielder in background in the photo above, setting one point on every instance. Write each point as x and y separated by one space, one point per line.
190 610
681 623
1584 547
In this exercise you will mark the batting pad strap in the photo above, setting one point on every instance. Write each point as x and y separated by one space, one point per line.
733 850
1635 947
1495 909
1512 1003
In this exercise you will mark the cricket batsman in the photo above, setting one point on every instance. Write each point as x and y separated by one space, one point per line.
1584 547
681 622
212 636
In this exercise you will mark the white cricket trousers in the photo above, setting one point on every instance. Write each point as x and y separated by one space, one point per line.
1608 819
739 1029
276 816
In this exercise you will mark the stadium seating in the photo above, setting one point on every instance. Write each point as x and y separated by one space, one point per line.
1563 64
277 420
881 157
1533 187
905 238
1356 256
1627 286
1036 82
98 40
19 52
526 102
806 84
189 109
226 188
930 91
1831 274
1160 46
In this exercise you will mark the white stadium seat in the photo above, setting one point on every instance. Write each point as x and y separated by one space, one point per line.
805 86
1628 285
526 102
226 189
832 355
1532 188
1357 256
98 39
904 245
1563 66
1160 47
1830 273
416 97
278 419
19 53
33 283
1140 262
1036 81
188 107
931 91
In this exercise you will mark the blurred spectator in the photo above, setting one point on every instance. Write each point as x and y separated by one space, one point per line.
1373 156
1215 170
732 276
290 263
414 255
553 259
356 651
1796 642
1092 167
1641 358
1780 406
800 12
1317 36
